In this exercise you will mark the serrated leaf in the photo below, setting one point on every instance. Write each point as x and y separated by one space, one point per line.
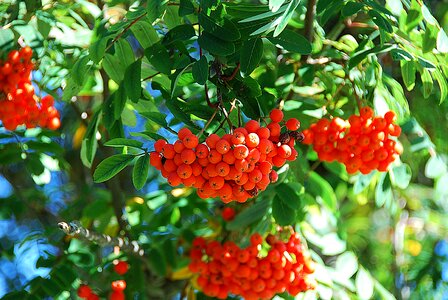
284 19
122 142
250 215
427 83
109 167
140 171
132 80
292 42
200 70
250 55
145 33
156 117
226 31
282 213
215 45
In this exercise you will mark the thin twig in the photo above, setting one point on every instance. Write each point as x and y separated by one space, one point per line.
309 24
208 122
151 76
235 71
74 228
123 32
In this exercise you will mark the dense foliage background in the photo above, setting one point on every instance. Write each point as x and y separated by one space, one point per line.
142 70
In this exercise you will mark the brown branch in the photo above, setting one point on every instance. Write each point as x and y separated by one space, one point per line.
151 76
309 19
235 71
208 122
124 31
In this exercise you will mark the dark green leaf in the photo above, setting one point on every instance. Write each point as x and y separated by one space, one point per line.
157 261
179 33
360 56
145 34
215 45
156 117
226 30
159 57
175 79
80 69
185 8
250 215
113 67
290 194
352 8
284 19
109 167
119 102
97 49
155 9
250 9
89 144
292 42
140 171
400 54
132 81
282 213
380 21
200 70
124 53
250 56
121 142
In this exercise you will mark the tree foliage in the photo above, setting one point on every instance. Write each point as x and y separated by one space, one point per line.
126 74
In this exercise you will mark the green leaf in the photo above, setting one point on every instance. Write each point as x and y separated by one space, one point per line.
380 21
250 215
282 213
400 54
113 67
200 70
175 79
250 56
442 84
215 45
79 71
89 143
364 284
430 38
159 57
132 81
122 142
109 167
319 187
362 182
292 42
383 191
274 5
427 83
414 16
360 56
226 31
408 70
284 19
157 261
352 8
435 167
140 171
6 38
155 9
425 63
156 117
263 15
97 49
145 34
179 33
124 53
177 112
119 102
346 264
401 176
442 41
289 193
185 8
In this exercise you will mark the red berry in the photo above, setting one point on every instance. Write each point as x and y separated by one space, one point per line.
228 214
84 291
121 267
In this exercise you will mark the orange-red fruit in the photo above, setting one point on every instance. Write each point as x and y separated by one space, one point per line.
84 291
276 115
117 295
228 214
293 124
121 267
118 285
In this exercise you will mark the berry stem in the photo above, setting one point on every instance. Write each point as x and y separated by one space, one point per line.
124 31
208 123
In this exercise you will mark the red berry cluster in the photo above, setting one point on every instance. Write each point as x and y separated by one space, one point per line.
362 143
85 292
118 286
18 103
227 269
233 167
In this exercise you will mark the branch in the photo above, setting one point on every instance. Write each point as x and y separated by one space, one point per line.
123 32
309 19
74 228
